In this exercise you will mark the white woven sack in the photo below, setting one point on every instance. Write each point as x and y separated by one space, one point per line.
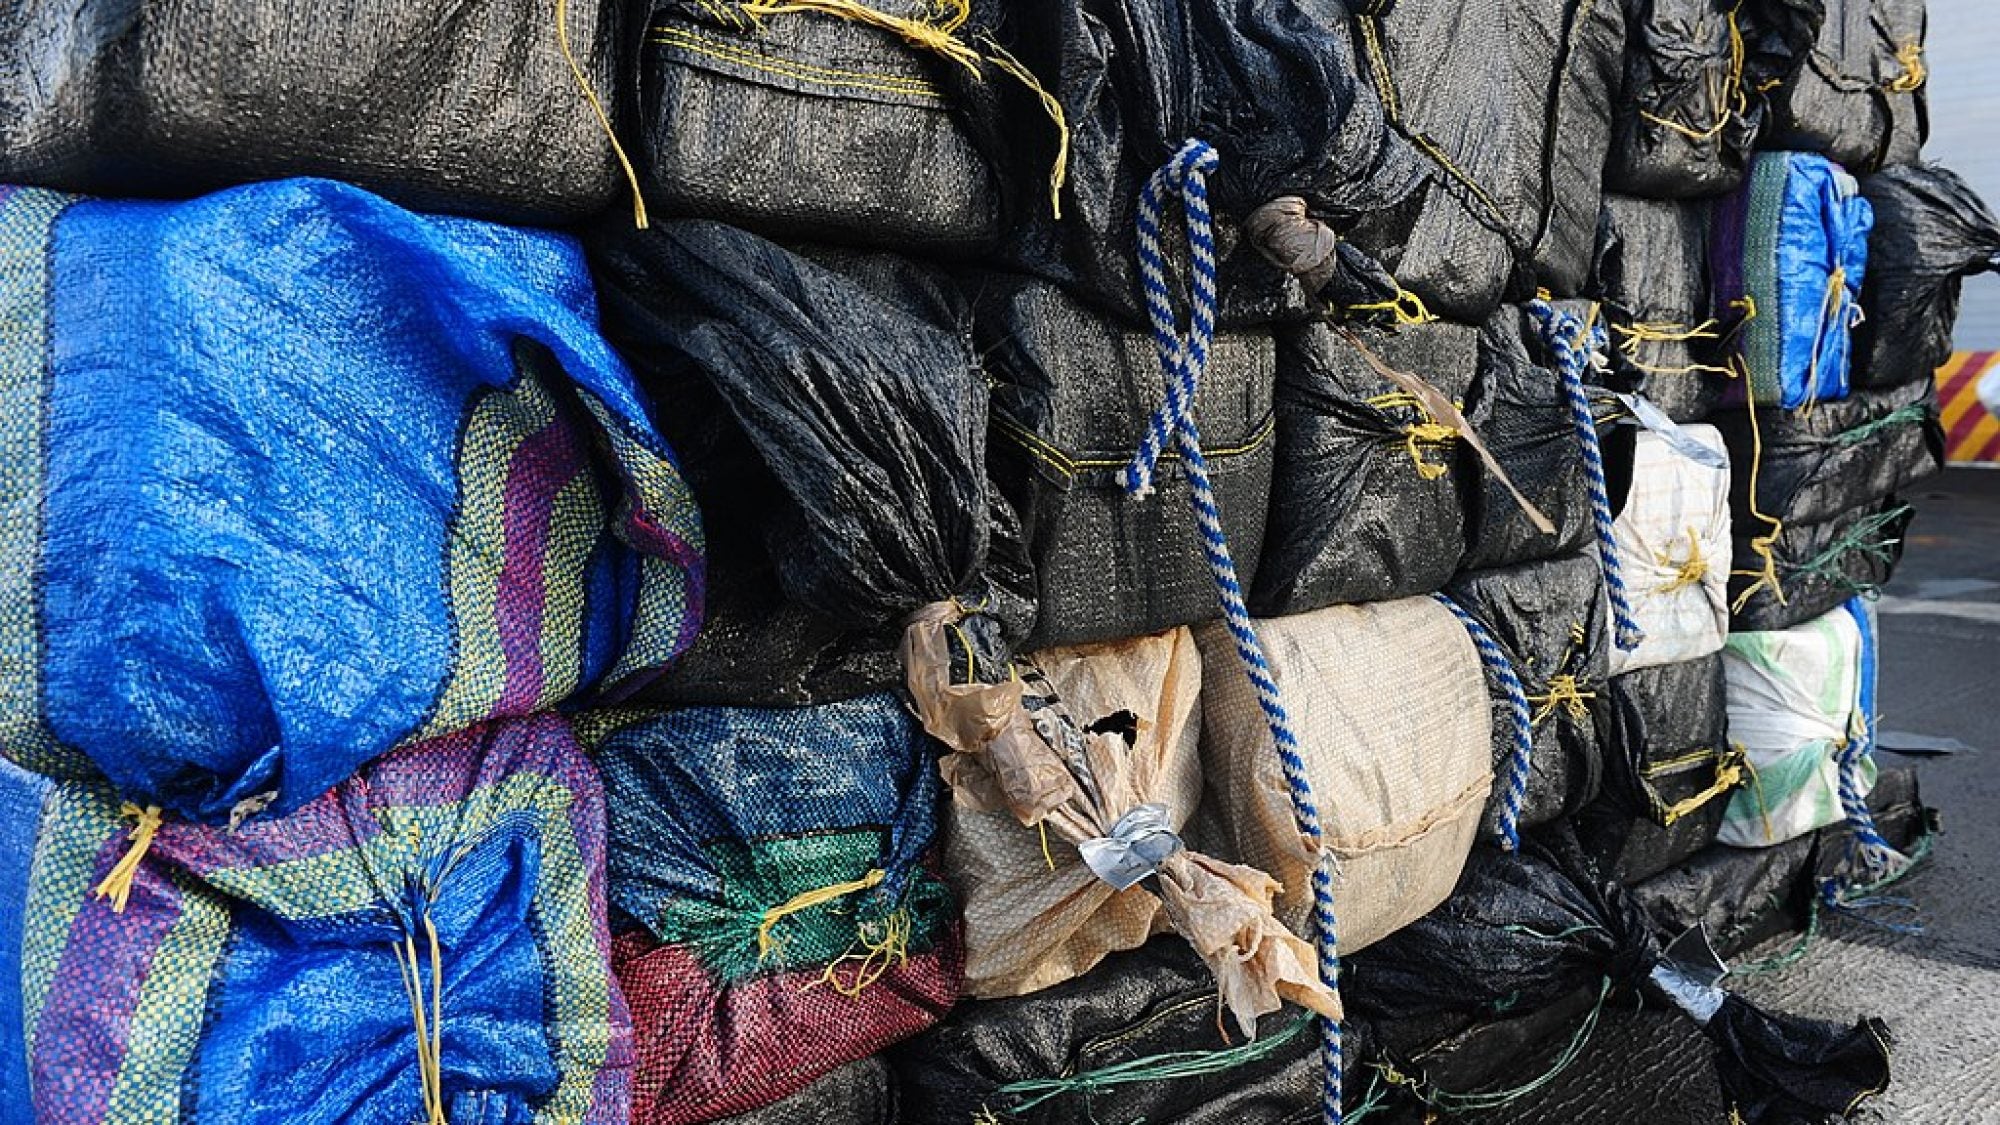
1674 551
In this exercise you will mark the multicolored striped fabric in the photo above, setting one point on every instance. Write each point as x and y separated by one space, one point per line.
266 975
770 867
293 476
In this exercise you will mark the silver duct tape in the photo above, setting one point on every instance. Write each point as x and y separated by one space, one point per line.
1139 842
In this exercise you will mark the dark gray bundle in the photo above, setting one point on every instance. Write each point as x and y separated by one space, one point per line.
861 1093
1665 754
467 108
809 125
1860 99
1818 565
1550 618
1366 505
1691 107
1651 275
1836 457
1073 394
1931 232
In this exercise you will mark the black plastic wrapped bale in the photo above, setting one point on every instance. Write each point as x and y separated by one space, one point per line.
1273 85
1838 456
1368 493
1860 100
861 1093
1651 274
1817 565
1668 770
1073 394
1592 73
1012 1059
466 108
1931 232
1691 106
804 123
1551 621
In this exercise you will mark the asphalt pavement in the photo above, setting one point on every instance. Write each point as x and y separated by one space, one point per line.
1939 990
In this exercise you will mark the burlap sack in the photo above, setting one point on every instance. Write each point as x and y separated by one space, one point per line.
1674 552
1389 703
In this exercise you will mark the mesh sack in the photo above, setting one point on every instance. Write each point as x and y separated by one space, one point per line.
469 108
1787 254
1791 573
1931 232
1815 465
427 940
305 476
778 918
1550 620
809 123
1399 787
1860 99
862 1092
1674 551
1651 274
1073 394
1368 493
1693 99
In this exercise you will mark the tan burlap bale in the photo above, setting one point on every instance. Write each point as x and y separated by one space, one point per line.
1673 547
1389 705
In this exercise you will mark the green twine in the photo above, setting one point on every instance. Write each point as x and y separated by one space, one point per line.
1456 1103
1530 931
1860 538
1903 415
1778 962
1152 1068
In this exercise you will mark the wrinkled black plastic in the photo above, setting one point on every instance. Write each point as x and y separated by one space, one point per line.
809 125
1551 620
1073 394
1678 69
1931 232
1668 732
861 1093
1835 457
1650 272
1851 101
1787 1070
1819 565
466 108
1353 517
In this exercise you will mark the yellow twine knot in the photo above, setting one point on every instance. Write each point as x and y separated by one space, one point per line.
1728 774
1565 694
1408 308
1725 93
1766 574
875 959
806 901
1419 436
1911 57
117 884
1690 571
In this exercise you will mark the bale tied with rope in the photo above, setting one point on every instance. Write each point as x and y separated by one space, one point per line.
1673 543
1802 570
1932 231
1650 274
1819 464
1862 99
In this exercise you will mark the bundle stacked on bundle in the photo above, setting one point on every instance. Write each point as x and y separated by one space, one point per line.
777 914
1672 537
1651 276
1860 99
450 894
1931 232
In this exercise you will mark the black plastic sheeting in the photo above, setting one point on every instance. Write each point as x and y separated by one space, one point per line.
1931 232
1819 565
810 125
1861 99
1272 84
1072 396
465 108
1668 733
1354 518
861 1093
1836 457
1551 619
1651 274
1688 119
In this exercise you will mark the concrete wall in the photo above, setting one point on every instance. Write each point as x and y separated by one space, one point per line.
1963 51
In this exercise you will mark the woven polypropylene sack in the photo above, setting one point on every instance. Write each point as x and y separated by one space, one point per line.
1815 465
862 1092
1592 72
300 476
1550 620
1667 776
266 974
1862 97
1795 699
1651 274
471 108
1399 785
1156 1000
1674 551
1073 396
1693 99
1788 251
1368 495
778 918
1931 232
1817 566
811 124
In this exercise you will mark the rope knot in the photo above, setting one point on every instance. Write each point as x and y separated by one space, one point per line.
1910 56
806 900
117 883
1691 571
1565 694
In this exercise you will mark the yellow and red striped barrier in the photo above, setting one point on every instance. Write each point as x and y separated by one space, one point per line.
1971 432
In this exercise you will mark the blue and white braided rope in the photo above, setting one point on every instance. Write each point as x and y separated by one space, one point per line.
1183 361
1867 846
1514 784
1565 336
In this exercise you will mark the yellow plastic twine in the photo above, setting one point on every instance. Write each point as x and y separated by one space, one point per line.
430 1027
1728 774
1564 693
1729 101
1763 545
117 884
1633 337
875 959
1830 306
1911 56
1419 436
1689 571
603 118
766 944
1408 308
